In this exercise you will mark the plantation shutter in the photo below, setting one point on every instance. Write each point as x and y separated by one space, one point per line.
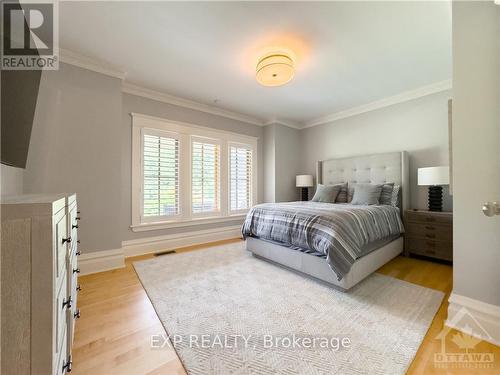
205 174
240 178
161 176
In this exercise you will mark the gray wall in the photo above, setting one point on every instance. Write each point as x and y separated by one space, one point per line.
269 153
287 159
282 163
418 126
132 103
11 180
476 150
76 147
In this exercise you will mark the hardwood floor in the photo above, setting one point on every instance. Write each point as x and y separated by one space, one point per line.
113 335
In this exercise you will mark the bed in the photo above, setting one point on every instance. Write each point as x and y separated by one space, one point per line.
347 220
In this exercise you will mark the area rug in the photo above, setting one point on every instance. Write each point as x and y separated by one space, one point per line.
227 312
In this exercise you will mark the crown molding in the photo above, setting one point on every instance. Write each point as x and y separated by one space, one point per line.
382 103
82 61
130 88
290 124
99 66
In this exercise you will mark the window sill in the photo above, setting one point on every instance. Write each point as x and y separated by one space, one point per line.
182 224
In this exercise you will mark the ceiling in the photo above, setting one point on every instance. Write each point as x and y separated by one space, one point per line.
348 54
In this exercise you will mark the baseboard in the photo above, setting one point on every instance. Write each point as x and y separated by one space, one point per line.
99 261
150 245
466 313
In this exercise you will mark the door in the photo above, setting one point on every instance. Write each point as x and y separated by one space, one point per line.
476 159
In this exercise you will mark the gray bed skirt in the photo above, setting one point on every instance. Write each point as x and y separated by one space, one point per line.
318 268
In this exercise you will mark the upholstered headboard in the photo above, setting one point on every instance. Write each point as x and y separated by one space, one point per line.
378 168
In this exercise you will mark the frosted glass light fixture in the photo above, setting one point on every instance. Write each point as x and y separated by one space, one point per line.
275 69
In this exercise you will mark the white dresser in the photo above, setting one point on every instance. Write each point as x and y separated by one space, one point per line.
39 283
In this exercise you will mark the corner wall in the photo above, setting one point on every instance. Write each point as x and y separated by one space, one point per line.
12 180
282 154
76 147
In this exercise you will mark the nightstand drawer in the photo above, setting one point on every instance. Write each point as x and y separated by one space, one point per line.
428 217
430 231
435 249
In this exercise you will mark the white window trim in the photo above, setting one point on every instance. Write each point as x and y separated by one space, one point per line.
185 132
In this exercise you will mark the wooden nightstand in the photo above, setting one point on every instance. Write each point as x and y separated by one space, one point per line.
429 233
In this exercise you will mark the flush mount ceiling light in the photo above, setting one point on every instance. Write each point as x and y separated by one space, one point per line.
275 69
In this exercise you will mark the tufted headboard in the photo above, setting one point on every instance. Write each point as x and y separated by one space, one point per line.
378 168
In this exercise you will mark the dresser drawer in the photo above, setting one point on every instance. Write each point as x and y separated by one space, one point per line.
430 248
62 357
61 247
73 219
73 279
425 217
61 318
429 231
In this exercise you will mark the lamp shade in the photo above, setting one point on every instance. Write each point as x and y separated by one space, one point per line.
304 180
434 176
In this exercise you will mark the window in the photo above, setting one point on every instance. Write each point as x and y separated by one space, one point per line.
240 161
205 180
160 158
186 175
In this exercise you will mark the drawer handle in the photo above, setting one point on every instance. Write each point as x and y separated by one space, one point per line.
430 235
68 240
76 270
78 212
67 303
67 365
78 288
78 252
77 218
77 241
76 315
74 226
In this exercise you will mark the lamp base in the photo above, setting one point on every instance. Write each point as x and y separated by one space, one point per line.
304 194
435 198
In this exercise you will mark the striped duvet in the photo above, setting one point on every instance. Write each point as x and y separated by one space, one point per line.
340 231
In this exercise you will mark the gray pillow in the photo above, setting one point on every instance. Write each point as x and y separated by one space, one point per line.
366 194
386 195
326 193
395 196
342 197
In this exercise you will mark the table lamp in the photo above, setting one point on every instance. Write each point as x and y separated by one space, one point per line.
435 178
